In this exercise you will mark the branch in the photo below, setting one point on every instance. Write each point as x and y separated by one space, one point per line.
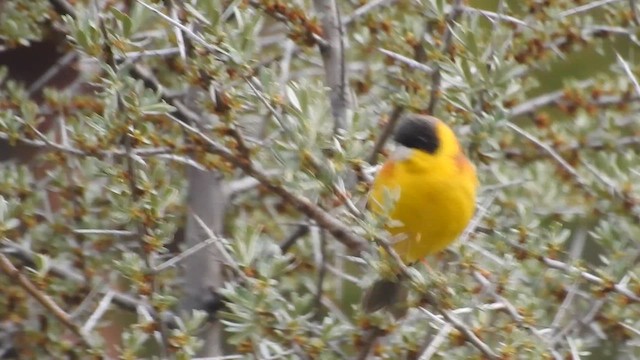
608 285
46 144
495 16
585 7
532 105
333 60
468 334
629 73
436 78
15 275
220 54
340 231
634 12
596 144
403 270
203 272
617 193
386 133
364 9
563 163
123 300
413 64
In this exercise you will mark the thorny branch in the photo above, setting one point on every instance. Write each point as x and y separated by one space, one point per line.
339 230
15 275
579 179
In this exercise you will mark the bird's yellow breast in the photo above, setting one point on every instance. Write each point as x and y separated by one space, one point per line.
436 197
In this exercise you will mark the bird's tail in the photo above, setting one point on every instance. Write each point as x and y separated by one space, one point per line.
385 294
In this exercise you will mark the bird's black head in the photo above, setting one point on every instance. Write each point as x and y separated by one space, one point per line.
418 132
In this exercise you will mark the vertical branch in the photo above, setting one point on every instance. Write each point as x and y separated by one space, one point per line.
206 204
436 78
206 200
634 12
386 133
322 265
333 59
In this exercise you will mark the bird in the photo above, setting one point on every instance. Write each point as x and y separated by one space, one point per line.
435 184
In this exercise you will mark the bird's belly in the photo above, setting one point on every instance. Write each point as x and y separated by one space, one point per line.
432 214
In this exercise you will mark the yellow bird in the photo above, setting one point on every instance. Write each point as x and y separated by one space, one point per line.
437 191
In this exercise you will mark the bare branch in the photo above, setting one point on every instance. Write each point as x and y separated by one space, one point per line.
615 287
185 254
565 165
629 73
495 16
536 103
407 61
99 312
364 9
585 7
203 273
104 232
433 346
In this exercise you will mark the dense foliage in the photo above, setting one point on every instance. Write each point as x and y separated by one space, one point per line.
113 114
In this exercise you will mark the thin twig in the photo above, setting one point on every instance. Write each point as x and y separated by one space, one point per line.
101 309
469 335
47 144
615 287
511 310
435 343
594 279
299 232
629 73
54 70
214 50
563 163
538 102
585 7
185 254
386 133
495 16
103 232
413 64
229 261
364 9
